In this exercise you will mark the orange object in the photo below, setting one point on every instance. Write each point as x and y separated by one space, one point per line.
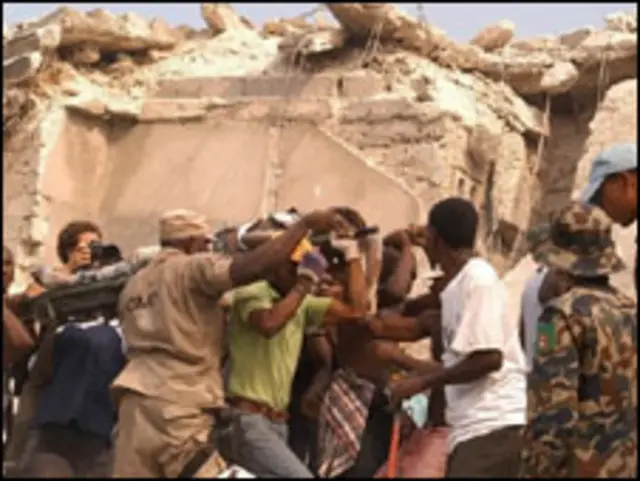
392 465
303 247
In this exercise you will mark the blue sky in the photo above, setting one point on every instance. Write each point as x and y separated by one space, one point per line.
460 20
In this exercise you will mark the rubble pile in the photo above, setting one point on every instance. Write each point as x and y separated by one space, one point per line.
502 120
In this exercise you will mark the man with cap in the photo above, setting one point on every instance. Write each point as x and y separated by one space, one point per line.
171 387
582 391
613 185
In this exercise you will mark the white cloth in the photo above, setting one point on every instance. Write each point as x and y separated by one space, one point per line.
474 317
531 310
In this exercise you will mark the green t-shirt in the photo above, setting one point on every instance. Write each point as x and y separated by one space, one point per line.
262 369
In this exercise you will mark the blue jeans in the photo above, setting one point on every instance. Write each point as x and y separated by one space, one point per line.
262 449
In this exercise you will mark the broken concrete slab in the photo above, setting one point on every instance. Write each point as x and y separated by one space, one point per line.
495 36
128 32
559 78
576 37
274 109
221 17
249 86
622 22
197 87
158 110
382 21
21 68
312 43
362 84
41 39
90 107
385 109
83 54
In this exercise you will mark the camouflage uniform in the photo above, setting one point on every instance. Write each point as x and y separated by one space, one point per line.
582 391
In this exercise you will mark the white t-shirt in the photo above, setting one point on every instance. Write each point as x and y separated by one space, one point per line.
531 310
474 317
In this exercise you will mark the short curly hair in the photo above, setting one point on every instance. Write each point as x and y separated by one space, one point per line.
69 235
456 221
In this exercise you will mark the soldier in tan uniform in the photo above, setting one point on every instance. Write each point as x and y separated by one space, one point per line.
173 328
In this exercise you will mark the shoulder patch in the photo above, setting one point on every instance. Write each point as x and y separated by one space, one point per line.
547 337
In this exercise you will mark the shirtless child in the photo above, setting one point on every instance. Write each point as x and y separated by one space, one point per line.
354 408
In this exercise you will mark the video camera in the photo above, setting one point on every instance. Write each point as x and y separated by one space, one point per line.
84 296
104 254
334 256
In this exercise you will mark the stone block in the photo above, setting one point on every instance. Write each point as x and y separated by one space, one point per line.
283 86
20 68
494 37
361 84
576 37
309 110
559 78
383 110
158 110
290 86
92 107
45 38
198 87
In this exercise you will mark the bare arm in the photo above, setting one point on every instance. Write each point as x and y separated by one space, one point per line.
431 300
357 286
415 306
473 367
253 265
268 322
16 339
390 352
341 313
399 284
405 329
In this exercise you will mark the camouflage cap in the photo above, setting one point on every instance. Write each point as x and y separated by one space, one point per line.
579 242
182 224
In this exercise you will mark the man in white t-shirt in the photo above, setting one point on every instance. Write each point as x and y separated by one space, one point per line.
484 367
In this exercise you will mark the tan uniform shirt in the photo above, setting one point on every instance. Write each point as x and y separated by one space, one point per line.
173 328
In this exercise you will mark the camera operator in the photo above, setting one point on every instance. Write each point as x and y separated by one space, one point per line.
77 359
170 393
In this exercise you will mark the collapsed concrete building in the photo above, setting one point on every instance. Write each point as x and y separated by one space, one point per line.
116 119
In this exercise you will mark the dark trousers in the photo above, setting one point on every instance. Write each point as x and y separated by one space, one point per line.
374 446
303 436
494 455
67 452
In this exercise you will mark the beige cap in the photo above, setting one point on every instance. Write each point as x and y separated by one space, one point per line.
182 224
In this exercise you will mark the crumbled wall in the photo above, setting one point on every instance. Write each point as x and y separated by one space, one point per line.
141 117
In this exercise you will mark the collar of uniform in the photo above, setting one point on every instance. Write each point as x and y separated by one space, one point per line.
167 252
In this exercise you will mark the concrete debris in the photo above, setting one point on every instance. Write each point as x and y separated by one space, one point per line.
382 22
312 43
380 97
494 37
221 17
622 22
41 39
559 78
110 33
21 68
83 54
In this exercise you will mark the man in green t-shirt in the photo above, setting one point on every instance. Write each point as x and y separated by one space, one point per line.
267 326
